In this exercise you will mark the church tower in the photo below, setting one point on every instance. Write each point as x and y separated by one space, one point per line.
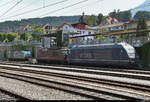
82 18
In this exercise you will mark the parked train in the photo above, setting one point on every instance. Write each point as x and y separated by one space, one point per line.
53 55
121 54
19 55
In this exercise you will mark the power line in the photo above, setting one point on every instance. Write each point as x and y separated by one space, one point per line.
85 5
35 1
64 8
11 8
33 10
6 3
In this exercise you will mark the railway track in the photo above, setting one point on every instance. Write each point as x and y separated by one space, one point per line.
136 74
123 90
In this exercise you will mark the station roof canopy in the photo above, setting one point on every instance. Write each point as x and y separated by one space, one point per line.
117 33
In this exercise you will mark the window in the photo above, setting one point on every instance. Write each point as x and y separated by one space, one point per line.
89 33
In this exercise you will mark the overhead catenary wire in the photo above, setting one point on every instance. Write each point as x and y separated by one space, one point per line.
6 3
72 10
33 2
11 8
33 10
63 8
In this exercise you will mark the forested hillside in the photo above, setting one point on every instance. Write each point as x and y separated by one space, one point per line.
55 21
91 20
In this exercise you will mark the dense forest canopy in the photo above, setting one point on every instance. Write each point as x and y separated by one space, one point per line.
54 21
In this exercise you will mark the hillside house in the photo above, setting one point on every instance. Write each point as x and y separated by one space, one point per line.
72 31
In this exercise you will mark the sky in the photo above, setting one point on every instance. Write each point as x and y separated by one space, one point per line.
23 9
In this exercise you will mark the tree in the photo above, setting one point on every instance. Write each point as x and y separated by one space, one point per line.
59 39
39 30
11 37
92 20
100 18
25 36
122 16
3 37
141 26
142 14
36 37
113 14
125 16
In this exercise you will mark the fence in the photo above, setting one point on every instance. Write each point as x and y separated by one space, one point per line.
136 42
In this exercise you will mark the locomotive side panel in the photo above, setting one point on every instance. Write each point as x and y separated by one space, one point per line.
51 56
113 55
19 55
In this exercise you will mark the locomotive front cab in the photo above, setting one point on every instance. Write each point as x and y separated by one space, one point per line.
132 55
65 51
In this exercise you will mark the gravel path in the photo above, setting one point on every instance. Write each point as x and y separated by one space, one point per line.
36 92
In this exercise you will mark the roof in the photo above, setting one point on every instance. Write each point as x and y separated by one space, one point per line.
99 45
108 21
79 25
111 25
44 25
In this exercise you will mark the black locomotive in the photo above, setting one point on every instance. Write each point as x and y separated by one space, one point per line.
121 54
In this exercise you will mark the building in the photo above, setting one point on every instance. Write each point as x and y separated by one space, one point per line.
48 28
71 33
24 29
48 39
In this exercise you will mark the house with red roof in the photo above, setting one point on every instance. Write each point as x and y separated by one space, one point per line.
77 29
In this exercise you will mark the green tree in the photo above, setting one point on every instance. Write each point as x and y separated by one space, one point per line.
113 14
3 37
122 16
11 37
125 16
39 30
92 20
36 37
25 36
59 39
100 37
142 14
100 18
141 26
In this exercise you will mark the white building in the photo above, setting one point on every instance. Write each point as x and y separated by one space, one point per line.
75 33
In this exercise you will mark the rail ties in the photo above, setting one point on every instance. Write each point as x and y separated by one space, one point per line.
87 88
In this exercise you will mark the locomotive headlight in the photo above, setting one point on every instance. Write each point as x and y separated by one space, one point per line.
131 55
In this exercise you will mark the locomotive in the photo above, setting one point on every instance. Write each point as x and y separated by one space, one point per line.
19 55
53 55
120 54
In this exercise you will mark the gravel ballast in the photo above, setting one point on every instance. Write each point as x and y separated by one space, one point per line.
36 92
4 96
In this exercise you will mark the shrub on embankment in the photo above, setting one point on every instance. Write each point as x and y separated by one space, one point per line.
144 54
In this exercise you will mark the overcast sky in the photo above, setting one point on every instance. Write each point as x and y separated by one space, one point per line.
88 6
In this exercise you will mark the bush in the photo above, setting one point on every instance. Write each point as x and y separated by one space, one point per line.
11 37
144 53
